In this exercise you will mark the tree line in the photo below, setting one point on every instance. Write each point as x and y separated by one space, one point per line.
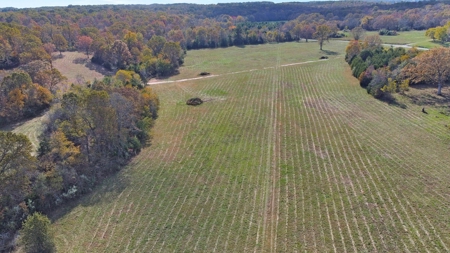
383 71
99 29
90 134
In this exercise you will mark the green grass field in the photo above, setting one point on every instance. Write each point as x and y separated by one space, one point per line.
411 38
289 155
31 128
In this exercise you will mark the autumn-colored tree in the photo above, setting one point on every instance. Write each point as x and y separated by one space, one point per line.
366 22
431 66
133 39
62 150
84 44
49 48
306 32
70 31
352 50
322 34
19 97
440 33
297 32
34 67
50 78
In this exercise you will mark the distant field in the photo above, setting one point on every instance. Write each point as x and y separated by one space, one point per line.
251 57
75 63
413 38
284 158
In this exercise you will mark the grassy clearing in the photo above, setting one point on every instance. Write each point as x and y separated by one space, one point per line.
412 38
72 64
31 128
286 158
251 57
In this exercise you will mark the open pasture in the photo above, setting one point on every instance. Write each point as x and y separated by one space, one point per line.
248 58
286 157
74 65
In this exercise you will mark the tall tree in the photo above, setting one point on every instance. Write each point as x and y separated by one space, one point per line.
84 44
16 165
358 33
60 43
173 52
306 32
431 66
119 54
297 32
156 44
322 34
50 78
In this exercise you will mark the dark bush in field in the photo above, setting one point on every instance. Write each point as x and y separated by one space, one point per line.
194 101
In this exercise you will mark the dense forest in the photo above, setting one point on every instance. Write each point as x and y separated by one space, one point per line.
93 131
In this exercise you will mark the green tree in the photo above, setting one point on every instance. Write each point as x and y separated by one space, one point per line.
431 33
173 52
36 236
60 43
16 166
156 44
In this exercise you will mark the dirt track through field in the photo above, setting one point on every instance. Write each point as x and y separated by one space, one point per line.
231 73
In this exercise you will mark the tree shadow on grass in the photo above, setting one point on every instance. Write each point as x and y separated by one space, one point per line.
80 61
392 101
329 52
105 191
426 95
100 69
57 56
92 66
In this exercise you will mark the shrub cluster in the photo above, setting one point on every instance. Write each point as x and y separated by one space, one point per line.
377 68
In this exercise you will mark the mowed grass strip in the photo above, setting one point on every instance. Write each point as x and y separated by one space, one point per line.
282 158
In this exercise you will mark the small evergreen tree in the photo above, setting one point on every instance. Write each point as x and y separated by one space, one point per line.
36 236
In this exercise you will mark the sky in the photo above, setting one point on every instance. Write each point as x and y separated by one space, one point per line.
40 3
